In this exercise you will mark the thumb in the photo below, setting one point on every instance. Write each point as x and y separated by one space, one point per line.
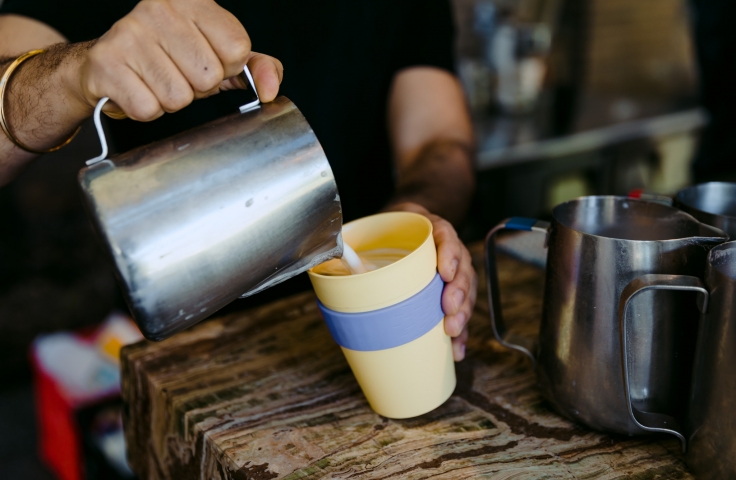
234 83
267 74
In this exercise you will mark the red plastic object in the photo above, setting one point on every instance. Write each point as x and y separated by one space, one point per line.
60 441
59 437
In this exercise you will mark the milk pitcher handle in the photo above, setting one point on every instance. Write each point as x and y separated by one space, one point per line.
527 346
649 421
251 105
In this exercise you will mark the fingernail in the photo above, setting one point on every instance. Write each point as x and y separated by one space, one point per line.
460 321
458 298
459 352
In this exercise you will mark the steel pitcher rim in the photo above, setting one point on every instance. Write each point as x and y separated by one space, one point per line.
679 195
622 198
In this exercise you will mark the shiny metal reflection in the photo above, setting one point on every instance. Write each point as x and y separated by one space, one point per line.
596 247
712 417
224 210
713 203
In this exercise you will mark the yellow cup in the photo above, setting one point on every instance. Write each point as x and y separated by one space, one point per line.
415 376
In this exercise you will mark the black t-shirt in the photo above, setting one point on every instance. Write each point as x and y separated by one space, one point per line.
339 59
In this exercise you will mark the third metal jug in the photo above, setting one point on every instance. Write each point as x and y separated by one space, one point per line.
711 421
713 203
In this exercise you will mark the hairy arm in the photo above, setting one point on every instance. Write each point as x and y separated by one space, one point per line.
433 142
36 108
433 145
157 59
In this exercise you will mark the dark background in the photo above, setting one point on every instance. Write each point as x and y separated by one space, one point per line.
54 276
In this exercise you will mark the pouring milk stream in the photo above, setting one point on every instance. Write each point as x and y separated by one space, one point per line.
353 263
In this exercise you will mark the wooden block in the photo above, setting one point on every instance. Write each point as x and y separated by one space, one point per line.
267 394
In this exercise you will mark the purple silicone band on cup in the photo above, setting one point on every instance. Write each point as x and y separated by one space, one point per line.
391 326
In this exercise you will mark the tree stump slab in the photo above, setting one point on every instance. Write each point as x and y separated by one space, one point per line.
267 394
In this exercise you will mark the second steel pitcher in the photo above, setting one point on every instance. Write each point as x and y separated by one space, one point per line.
596 247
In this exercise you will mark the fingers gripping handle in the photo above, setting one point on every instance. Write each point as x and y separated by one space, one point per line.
255 103
654 422
505 338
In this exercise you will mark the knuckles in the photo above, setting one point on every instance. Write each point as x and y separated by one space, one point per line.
209 79
236 54
132 35
178 99
443 228
143 111
157 11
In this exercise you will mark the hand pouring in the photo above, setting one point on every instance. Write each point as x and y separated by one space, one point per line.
601 250
224 210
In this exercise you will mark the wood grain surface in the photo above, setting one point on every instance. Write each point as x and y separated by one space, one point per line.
267 394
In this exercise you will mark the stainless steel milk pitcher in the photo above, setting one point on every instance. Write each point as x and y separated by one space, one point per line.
713 203
221 211
711 420
596 247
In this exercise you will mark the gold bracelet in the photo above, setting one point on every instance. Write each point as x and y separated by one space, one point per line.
4 122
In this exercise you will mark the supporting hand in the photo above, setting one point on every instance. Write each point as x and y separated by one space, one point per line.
455 268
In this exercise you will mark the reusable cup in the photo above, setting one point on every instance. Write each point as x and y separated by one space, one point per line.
389 321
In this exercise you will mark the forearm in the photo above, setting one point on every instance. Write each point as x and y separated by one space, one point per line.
441 179
42 107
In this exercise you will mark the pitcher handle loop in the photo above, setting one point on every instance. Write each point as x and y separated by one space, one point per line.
100 132
252 85
649 421
527 346
101 103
